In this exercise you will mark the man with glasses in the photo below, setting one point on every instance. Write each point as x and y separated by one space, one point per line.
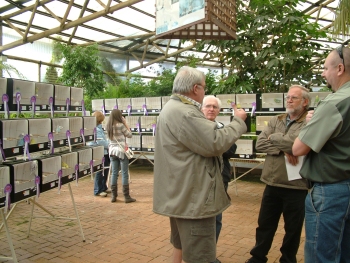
188 185
284 194
211 108
325 141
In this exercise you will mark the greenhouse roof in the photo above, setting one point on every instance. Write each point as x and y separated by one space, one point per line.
121 27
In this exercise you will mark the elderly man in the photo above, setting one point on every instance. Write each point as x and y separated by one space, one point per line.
211 108
325 141
282 195
188 185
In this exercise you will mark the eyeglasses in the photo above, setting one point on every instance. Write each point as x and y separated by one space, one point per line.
209 106
204 87
340 53
292 98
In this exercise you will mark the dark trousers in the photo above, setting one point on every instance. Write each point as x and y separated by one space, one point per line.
276 201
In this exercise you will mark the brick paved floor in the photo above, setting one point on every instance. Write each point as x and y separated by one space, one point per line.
119 232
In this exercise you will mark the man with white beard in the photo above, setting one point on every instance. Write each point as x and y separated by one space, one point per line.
282 195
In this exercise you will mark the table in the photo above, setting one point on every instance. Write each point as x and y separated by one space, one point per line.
257 163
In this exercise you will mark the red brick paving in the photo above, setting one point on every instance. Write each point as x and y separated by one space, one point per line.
119 232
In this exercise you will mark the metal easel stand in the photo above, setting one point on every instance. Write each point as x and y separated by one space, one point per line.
142 154
9 239
52 216
234 181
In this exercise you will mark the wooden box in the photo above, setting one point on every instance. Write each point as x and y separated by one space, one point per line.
3 93
76 98
147 142
245 149
153 104
4 180
124 105
12 132
23 179
49 168
224 119
247 101
226 100
272 101
148 123
165 99
44 93
59 128
84 159
111 104
138 105
262 122
97 157
134 123
316 97
62 97
75 127
134 142
39 130
69 166
98 105
21 90
89 124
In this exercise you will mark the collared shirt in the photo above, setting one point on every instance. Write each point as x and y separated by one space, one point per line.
183 97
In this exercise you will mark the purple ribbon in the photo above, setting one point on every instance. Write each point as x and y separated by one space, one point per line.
7 191
103 110
82 135
5 100
95 134
59 174
253 108
26 146
129 110
83 107
154 129
103 166
50 136
68 138
76 173
144 107
37 183
33 101
138 127
67 105
2 151
18 101
115 107
51 106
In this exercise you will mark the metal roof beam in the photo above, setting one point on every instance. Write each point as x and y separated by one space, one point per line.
67 25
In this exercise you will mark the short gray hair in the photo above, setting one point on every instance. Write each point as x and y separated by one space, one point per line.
213 97
185 78
304 93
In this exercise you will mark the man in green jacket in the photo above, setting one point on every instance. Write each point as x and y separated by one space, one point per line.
284 194
188 184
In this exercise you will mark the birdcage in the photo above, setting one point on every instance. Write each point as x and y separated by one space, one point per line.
245 149
138 104
4 181
12 134
133 123
89 124
20 93
39 130
44 93
262 122
148 123
69 166
272 101
111 104
247 101
147 143
62 97
76 98
59 128
153 104
49 172
98 105
226 101
84 160
124 105
134 142
75 127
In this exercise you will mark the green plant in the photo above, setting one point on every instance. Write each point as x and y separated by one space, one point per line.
272 50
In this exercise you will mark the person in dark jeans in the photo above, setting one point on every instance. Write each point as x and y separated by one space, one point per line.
283 195
211 108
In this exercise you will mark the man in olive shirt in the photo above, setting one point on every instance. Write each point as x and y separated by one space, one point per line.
325 141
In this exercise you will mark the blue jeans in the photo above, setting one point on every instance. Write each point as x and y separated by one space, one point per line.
100 183
123 164
327 223
218 225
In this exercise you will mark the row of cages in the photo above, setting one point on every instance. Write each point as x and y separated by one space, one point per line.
21 179
145 143
138 124
21 136
29 96
249 102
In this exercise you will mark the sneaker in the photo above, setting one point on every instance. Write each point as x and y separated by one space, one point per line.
108 191
102 194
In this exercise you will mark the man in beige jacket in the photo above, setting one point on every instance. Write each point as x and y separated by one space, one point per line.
188 184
